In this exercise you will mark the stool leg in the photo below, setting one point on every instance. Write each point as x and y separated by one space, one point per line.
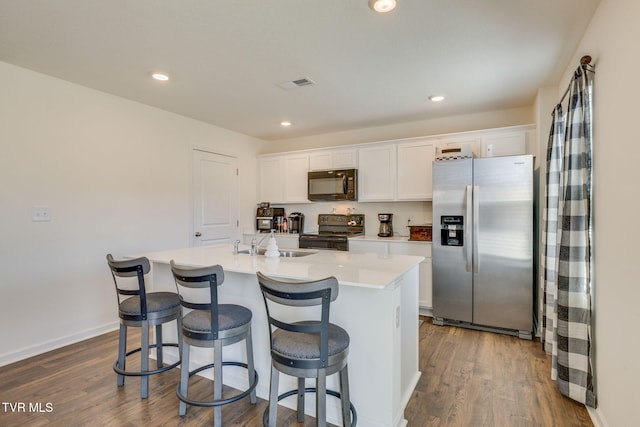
180 340
344 396
251 368
217 382
321 398
184 377
273 397
300 400
122 350
144 360
158 329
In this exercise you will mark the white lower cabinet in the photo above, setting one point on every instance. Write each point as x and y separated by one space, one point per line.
395 247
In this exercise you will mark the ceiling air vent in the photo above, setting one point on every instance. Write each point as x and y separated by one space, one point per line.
305 81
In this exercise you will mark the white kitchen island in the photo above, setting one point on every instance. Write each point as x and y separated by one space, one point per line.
377 305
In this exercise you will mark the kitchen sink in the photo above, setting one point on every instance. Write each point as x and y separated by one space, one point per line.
283 254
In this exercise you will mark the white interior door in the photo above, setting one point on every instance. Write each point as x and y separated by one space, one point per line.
215 198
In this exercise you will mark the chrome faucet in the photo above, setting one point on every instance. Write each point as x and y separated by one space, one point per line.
255 245
235 247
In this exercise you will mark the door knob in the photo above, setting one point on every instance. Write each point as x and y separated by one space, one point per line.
198 234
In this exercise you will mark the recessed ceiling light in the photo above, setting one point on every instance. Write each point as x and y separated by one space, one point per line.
160 76
382 6
285 123
436 98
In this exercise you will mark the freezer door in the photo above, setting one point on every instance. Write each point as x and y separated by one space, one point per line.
503 283
452 268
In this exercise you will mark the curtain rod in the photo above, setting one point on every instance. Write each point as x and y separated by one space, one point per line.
585 61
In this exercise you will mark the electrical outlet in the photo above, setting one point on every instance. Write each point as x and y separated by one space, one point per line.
40 214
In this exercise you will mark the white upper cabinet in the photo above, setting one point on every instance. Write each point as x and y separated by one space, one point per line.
414 170
333 159
474 142
387 171
270 179
283 178
377 173
506 143
296 168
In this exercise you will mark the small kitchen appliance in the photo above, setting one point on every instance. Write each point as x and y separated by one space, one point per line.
333 233
386 225
267 217
297 223
332 185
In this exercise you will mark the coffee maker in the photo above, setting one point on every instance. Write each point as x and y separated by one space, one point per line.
386 226
297 222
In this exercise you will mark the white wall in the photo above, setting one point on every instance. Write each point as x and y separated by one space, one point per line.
612 40
117 177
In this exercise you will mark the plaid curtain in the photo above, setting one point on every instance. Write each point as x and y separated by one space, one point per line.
567 244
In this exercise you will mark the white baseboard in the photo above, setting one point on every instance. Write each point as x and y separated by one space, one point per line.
24 353
596 417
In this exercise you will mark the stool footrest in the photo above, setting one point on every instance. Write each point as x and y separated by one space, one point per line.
220 402
354 415
120 371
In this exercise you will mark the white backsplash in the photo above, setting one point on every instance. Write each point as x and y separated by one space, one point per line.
418 212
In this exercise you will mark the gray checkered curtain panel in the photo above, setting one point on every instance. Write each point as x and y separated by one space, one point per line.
555 152
567 244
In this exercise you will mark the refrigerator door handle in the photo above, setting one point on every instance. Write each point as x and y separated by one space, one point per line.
467 226
476 220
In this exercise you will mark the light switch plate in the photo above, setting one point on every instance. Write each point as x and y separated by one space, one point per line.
40 213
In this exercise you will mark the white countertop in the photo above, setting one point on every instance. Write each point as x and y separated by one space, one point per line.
362 270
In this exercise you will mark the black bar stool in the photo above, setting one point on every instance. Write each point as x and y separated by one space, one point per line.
306 348
141 309
211 325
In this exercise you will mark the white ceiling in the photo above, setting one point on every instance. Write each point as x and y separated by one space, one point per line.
226 58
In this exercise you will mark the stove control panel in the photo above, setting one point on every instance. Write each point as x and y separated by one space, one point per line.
346 220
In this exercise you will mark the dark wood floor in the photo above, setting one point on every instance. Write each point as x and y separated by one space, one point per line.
470 378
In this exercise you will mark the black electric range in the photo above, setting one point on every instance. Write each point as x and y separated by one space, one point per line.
333 232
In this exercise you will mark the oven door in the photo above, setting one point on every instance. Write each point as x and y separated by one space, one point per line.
314 241
332 185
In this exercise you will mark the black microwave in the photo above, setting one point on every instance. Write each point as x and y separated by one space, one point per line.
333 185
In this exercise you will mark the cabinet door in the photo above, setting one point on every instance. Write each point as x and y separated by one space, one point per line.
368 247
414 170
425 292
504 144
333 159
270 179
377 173
471 141
345 159
321 160
295 178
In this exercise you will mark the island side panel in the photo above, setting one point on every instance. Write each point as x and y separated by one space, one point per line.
410 334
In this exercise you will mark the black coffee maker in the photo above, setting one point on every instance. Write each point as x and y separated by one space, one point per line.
386 226
297 223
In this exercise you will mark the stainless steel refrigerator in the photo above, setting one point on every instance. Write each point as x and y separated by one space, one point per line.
483 243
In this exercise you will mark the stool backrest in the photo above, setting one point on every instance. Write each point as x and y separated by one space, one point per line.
300 294
122 270
205 279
